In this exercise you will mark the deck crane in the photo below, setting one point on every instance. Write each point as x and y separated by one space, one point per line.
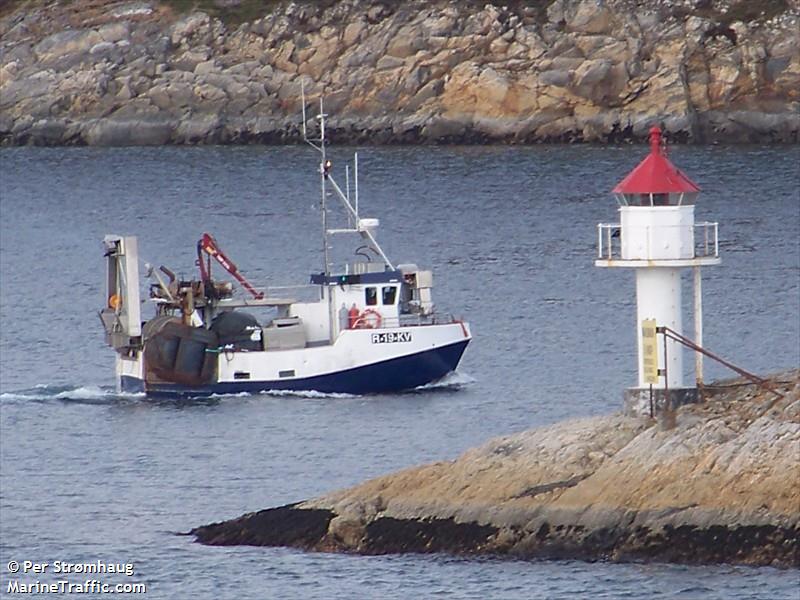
210 246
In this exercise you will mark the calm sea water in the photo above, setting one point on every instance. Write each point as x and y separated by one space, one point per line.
510 234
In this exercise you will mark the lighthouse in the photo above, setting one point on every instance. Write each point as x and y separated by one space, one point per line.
658 238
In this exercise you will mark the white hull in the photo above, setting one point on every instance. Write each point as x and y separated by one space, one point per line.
360 361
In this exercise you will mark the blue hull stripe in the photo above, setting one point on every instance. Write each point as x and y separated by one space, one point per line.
397 374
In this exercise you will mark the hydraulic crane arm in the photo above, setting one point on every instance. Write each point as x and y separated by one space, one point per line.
209 245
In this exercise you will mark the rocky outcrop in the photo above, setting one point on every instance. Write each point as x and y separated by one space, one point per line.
720 484
137 72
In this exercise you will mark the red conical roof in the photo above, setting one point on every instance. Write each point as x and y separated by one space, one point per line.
655 174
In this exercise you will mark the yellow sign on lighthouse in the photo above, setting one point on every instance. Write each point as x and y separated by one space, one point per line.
649 351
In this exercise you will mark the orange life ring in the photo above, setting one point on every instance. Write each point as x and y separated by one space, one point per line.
114 301
369 319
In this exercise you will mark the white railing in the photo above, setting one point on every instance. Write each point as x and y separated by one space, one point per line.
414 320
411 320
607 232
706 240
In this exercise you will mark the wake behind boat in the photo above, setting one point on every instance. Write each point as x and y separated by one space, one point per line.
370 328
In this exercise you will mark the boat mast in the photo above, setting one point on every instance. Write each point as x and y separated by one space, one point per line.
358 225
324 167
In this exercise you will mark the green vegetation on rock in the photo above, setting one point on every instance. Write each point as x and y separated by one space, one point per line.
232 12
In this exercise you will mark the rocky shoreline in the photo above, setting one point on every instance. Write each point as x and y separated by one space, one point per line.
138 72
721 486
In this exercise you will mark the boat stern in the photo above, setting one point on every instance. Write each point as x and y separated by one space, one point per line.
130 374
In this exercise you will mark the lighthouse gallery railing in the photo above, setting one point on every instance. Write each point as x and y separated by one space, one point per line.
706 240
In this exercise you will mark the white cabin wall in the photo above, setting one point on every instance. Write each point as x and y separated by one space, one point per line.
315 319
356 294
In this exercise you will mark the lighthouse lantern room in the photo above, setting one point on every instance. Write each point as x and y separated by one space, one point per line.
657 236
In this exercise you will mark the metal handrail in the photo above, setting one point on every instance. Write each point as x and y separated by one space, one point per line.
708 226
672 334
608 228
282 291
708 246
416 320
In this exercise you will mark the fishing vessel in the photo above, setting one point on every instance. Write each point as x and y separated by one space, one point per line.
370 327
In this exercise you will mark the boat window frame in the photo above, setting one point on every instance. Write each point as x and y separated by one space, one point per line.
392 292
371 296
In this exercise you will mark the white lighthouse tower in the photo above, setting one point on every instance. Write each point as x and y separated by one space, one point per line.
657 236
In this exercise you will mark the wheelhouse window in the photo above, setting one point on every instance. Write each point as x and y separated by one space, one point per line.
389 294
371 296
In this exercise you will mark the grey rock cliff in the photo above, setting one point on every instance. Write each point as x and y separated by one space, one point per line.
124 72
722 485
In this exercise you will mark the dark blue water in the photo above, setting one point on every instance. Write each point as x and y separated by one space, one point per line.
510 234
